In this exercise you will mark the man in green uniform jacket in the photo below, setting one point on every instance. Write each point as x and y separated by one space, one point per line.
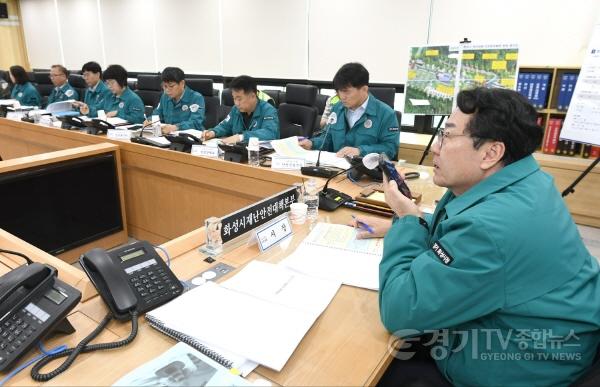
180 107
62 91
361 124
250 117
23 90
499 274
126 104
97 96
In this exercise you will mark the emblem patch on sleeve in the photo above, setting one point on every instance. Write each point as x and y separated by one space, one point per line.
441 253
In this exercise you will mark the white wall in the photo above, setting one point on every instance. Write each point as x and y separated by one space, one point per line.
296 38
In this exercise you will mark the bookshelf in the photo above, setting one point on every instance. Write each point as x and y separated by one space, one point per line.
549 89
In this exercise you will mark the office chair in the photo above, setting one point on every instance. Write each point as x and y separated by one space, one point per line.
592 376
226 104
297 116
78 83
211 102
149 89
386 95
41 81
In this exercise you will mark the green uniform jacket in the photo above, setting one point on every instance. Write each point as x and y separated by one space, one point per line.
129 106
63 93
505 267
187 113
264 123
376 131
98 99
26 94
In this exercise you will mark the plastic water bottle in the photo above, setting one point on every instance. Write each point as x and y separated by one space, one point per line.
311 199
253 156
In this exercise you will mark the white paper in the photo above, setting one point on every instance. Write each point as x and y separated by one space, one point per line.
116 121
193 132
582 122
7 102
262 331
332 252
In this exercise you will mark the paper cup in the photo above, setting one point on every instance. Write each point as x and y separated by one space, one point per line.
298 213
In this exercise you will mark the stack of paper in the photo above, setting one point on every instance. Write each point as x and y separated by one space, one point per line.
262 313
288 147
331 251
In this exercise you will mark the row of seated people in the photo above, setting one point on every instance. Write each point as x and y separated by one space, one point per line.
366 124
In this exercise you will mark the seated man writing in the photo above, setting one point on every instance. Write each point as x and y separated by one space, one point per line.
360 124
250 117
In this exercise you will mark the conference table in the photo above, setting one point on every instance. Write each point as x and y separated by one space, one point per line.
347 345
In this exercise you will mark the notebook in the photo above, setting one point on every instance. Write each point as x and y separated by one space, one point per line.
260 314
331 251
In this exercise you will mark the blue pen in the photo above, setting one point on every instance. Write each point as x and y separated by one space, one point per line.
363 225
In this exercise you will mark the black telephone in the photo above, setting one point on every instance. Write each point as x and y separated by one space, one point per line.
131 277
33 304
358 170
69 122
131 280
183 142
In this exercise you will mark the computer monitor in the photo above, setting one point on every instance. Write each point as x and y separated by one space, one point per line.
59 206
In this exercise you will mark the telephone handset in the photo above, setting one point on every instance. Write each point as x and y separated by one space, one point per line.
182 141
133 277
97 126
33 304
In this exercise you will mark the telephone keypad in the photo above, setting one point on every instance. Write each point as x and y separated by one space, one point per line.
153 284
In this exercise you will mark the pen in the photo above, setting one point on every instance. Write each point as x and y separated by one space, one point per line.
363 225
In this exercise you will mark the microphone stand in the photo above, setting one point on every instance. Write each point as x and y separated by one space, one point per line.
317 170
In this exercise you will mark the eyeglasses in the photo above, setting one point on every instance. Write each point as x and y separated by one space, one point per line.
443 133
57 75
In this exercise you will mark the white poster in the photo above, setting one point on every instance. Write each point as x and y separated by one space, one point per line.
582 123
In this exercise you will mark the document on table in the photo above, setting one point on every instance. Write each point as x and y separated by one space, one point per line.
331 251
262 315
289 147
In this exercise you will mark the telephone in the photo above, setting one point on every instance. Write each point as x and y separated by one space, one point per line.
358 170
33 304
182 141
69 122
131 277
131 280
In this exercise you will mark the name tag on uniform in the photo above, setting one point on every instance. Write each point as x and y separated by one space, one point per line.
205 151
118 134
287 163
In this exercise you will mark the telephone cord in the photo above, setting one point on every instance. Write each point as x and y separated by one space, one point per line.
82 347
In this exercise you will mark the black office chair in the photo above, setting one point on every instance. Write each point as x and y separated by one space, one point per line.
211 102
276 95
78 83
149 89
592 377
5 81
226 104
297 116
41 80
386 95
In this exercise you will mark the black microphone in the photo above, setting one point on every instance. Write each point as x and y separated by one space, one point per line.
329 198
317 170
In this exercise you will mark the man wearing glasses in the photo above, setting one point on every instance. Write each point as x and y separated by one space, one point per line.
63 91
497 287
97 95
180 107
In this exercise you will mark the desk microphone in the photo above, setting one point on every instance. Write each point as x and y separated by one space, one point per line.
329 198
317 170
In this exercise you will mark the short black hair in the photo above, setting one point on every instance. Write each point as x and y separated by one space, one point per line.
62 69
501 115
172 74
351 75
118 73
20 75
92 67
244 82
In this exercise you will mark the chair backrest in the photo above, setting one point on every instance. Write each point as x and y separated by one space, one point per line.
297 116
42 82
276 95
386 95
149 89
320 102
78 83
211 101
227 98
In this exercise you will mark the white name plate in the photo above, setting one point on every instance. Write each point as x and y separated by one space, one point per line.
205 150
287 163
273 233
118 134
